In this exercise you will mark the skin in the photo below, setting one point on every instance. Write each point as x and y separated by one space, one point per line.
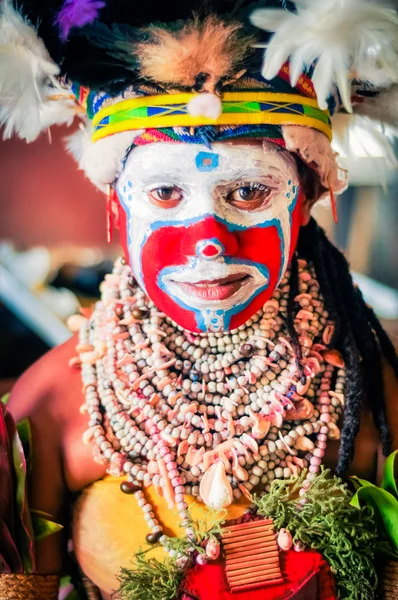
50 395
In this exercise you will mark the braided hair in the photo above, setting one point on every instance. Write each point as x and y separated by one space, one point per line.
358 335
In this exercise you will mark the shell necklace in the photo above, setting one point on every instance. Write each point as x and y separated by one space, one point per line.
212 415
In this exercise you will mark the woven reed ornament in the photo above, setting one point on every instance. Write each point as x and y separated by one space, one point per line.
29 587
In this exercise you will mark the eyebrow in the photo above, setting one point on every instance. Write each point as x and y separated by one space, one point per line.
151 175
239 173
252 171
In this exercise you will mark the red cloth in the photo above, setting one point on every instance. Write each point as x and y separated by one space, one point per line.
306 577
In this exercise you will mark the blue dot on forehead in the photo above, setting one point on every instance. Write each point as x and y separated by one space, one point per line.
206 161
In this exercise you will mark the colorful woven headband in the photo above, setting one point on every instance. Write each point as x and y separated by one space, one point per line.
238 108
208 135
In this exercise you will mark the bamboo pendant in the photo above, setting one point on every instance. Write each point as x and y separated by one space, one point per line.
251 555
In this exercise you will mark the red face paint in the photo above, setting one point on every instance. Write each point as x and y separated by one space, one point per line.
174 249
209 241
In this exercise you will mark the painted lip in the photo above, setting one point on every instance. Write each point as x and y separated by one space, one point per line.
215 289
230 283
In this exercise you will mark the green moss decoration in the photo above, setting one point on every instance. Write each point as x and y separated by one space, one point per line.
326 522
151 579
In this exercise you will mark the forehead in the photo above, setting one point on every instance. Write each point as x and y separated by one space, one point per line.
223 159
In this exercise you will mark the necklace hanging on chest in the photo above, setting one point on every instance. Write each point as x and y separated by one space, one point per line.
212 415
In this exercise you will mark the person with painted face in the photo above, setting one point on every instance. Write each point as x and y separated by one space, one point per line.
231 371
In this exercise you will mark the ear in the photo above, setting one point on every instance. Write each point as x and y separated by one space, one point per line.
305 211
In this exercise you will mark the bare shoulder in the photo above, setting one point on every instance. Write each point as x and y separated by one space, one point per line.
50 395
44 383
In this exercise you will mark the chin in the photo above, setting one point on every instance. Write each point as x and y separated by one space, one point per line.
218 301
199 309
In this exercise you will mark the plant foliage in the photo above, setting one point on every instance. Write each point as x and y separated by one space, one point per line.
150 579
324 520
384 502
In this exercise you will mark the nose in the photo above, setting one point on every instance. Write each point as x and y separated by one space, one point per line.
209 249
209 239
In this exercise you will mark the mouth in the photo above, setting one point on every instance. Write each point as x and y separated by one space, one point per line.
224 286
214 289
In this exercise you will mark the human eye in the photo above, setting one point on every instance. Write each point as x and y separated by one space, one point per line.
165 196
249 196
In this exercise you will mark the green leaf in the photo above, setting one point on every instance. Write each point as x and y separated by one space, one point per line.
25 435
64 585
40 513
4 399
385 550
385 508
358 483
355 501
389 482
42 526
24 529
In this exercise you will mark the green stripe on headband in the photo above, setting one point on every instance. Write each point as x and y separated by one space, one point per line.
238 108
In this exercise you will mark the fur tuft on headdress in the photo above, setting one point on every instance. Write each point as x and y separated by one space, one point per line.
346 39
28 85
200 55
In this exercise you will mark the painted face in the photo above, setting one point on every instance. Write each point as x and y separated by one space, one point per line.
210 233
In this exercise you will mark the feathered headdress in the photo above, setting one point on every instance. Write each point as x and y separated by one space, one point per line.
31 98
199 72
349 43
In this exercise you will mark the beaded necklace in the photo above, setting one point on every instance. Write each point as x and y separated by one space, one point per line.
212 415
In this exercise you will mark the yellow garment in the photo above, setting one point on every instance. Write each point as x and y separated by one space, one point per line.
109 528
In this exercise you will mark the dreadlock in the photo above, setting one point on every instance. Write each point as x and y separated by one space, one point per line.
358 335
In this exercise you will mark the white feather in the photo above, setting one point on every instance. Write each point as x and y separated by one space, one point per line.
27 80
351 38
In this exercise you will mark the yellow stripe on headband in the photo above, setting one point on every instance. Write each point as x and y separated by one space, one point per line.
117 117
172 99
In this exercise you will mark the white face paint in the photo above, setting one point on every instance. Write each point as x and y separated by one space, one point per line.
215 215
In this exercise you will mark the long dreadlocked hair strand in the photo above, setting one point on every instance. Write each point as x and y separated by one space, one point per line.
358 335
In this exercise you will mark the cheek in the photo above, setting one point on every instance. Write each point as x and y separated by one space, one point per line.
263 246
164 249
266 244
